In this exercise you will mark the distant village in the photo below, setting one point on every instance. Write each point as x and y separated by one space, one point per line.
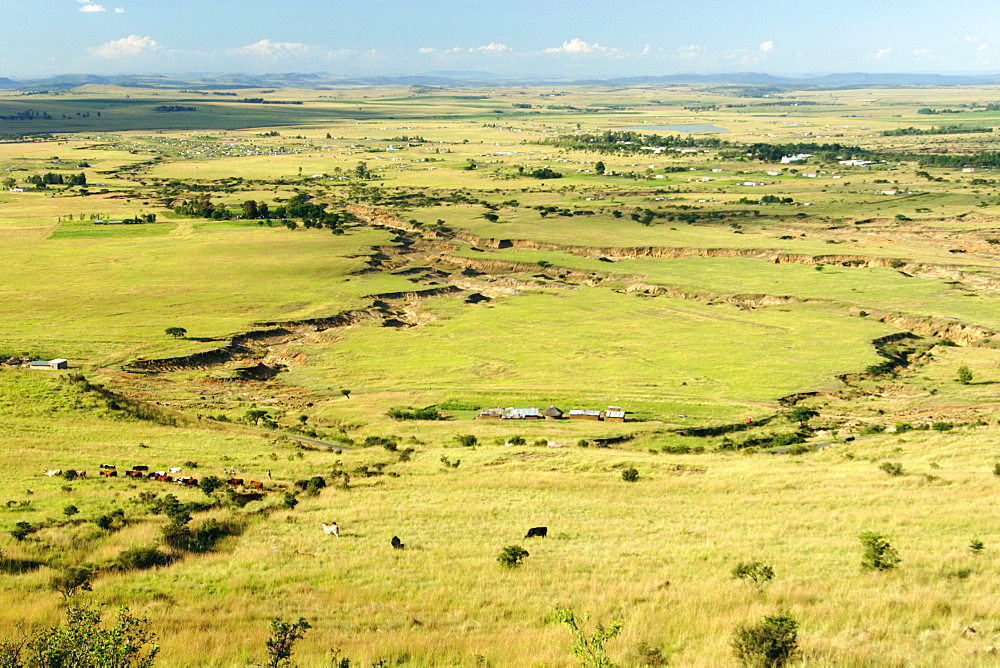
612 414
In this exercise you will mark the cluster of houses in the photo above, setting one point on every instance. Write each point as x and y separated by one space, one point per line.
58 363
612 414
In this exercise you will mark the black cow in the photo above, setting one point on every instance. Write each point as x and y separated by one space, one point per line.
397 544
140 468
537 532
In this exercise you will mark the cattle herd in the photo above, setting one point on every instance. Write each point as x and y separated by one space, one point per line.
168 475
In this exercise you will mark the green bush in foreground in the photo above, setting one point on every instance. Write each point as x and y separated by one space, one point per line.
770 643
83 643
282 640
589 650
630 475
878 554
892 468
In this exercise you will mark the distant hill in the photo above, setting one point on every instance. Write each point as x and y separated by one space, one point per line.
475 78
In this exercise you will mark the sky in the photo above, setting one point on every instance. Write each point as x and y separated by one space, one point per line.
513 38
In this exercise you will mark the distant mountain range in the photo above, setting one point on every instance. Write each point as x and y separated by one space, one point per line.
458 79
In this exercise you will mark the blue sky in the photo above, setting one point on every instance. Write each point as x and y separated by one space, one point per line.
581 38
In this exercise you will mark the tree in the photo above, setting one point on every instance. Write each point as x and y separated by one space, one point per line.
964 375
346 393
250 211
754 574
878 554
589 650
282 640
83 643
255 415
70 510
72 580
176 332
361 171
771 643
599 168
9 183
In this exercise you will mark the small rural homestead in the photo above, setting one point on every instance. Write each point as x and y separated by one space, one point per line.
613 414
58 363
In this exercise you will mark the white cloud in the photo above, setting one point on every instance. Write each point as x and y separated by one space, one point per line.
89 8
577 46
767 47
646 50
265 48
493 48
746 57
690 52
986 54
119 10
972 39
883 53
126 47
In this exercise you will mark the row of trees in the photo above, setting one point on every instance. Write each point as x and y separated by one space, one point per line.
299 207
40 181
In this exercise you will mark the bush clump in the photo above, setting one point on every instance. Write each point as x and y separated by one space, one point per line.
630 475
892 468
140 559
512 556
770 643
878 554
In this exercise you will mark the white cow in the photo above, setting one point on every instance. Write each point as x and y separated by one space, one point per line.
331 528
54 474
176 469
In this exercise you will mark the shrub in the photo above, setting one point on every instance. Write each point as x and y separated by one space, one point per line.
84 642
21 530
210 483
873 429
512 556
770 643
892 468
589 650
283 637
466 440
70 510
754 574
942 426
289 501
801 414
630 475
977 546
516 440
69 474
964 375
996 471
878 554
140 559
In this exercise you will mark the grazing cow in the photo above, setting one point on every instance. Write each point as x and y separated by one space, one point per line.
54 473
537 532
182 480
191 482
397 544
140 468
256 485
158 473
164 478
133 474
81 474
176 469
109 473
235 482
330 529
108 467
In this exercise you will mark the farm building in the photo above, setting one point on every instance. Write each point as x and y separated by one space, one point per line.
552 413
521 414
58 363
577 414
614 416
490 414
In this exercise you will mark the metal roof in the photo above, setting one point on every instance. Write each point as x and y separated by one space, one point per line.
615 414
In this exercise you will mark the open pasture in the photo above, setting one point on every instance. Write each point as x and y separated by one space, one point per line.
454 275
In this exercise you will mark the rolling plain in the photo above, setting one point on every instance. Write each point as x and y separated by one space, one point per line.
805 349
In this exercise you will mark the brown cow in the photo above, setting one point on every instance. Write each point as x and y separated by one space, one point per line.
164 478
81 474
256 485
235 482
133 474
109 473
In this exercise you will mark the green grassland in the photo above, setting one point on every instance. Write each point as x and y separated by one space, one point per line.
456 279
